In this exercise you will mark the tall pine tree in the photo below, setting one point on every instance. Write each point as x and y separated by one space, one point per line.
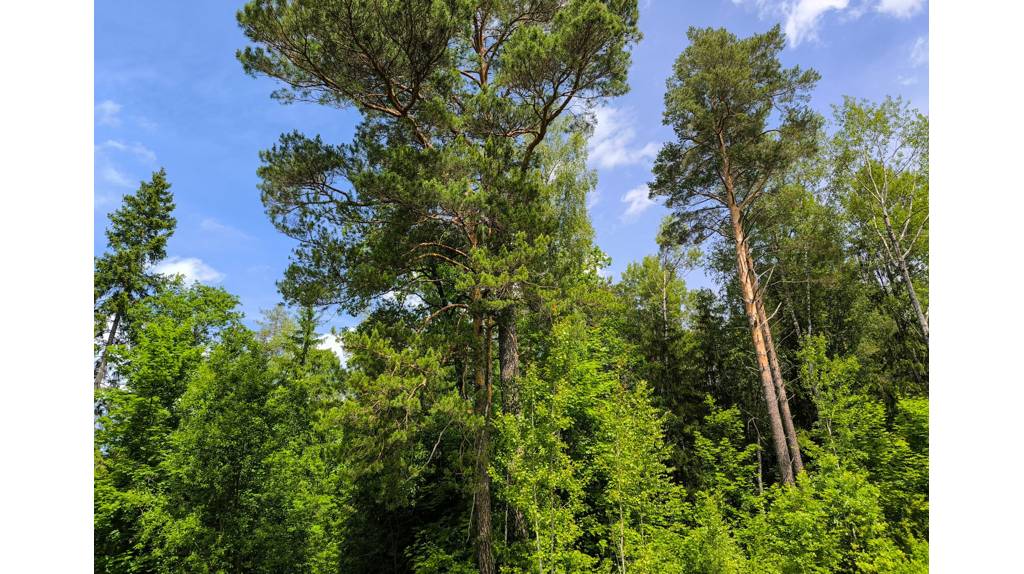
719 102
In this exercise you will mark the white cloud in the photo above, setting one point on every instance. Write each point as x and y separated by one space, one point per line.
411 301
135 149
639 201
763 6
191 268
906 80
332 342
101 201
919 52
612 145
900 8
111 174
109 171
802 18
211 225
108 113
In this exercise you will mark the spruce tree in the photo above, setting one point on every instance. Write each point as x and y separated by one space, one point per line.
136 239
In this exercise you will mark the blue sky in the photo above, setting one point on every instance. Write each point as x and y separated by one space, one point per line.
169 92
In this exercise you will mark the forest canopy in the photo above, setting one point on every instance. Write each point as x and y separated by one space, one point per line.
502 406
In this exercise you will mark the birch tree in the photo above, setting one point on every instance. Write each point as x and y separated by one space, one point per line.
881 169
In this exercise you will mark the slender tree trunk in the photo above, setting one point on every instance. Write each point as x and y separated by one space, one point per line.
482 492
508 351
901 262
922 319
767 381
101 367
508 357
787 416
773 361
663 372
760 466
788 301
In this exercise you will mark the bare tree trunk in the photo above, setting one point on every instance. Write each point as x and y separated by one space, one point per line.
773 361
508 357
101 367
901 262
922 319
663 347
787 416
760 481
767 381
482 492
788 301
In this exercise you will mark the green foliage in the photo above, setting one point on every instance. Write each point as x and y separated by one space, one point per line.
823 524
137 238
640 502
617 428
850 425
170 333
217 465
653 295
207 460
719 101
546 476
832 521
728 468
904 478
879 155
586 461
399 399
709 546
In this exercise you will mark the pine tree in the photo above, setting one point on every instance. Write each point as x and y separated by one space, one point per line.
719 102
457 99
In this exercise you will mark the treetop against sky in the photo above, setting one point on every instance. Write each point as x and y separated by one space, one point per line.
169 92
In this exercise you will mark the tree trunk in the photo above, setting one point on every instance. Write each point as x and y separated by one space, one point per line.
101 367
767 381
788 301
484 543
663 372
922 320
773 361
508 351
780 384
901 262
482 492
760 466
508 357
